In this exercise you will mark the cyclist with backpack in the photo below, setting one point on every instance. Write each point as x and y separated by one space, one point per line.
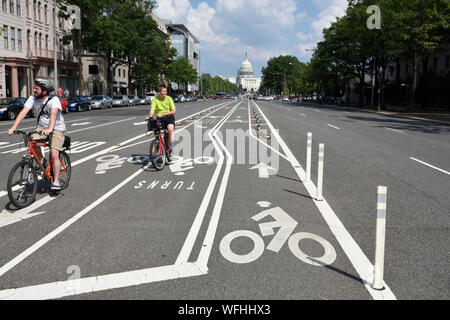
50 123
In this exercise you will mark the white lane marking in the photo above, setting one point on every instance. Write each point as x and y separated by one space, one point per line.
186 250
148 140
48 291
333 126
55 290
11 145
205 251
101 125
7 218
303 115
80 124
356 256
394 130
110 149
139 123
11 264
263 170
429 165
35 126
3 143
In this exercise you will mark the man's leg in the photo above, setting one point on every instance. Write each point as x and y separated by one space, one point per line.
171 129
56 165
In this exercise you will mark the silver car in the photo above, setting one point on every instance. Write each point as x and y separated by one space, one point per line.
134 100
100 102
120 101
145 99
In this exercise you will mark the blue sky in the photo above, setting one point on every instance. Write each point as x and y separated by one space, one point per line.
227 29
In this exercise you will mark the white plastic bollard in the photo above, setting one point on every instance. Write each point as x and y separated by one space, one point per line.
320 173
308 157
380 238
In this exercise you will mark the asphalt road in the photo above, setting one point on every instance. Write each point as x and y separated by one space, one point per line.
233 217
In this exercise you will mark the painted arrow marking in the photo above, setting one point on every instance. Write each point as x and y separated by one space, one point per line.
7 218
263 170
80 124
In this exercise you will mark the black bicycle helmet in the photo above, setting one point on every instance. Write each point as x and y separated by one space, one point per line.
45 84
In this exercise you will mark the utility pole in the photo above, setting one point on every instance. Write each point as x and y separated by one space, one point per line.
55 56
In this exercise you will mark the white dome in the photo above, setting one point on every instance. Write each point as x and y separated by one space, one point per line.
246 68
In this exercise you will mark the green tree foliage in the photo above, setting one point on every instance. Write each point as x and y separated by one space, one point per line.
411 30
211 85
182 72
281 75
123 33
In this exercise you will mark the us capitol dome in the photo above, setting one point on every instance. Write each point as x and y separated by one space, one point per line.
245 77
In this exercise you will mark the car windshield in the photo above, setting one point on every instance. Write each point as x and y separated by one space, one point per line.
97 98
141 97
76 99
117 97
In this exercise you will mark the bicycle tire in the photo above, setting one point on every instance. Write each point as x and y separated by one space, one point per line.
29 192
158 159
64 177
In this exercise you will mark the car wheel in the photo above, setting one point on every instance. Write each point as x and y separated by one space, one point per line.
11 115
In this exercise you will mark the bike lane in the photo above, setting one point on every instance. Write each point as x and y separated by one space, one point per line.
136 219
269 239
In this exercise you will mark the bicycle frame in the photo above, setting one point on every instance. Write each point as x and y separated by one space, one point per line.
47 174
162 142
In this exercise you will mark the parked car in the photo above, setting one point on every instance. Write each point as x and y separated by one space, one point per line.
120 101
78 103
64 105
152 96
143 99
10 107
136 100
100 102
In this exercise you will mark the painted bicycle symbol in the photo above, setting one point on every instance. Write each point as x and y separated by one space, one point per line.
287 225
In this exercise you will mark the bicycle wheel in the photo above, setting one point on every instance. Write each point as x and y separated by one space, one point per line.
65 171
22 184
157 154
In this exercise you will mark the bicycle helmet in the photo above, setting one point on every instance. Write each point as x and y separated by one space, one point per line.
46 85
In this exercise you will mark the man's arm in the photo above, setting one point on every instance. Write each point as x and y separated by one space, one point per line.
18 120
51 125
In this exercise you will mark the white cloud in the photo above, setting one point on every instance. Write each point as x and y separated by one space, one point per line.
176 10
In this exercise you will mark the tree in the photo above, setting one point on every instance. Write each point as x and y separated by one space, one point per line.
182 72
281 73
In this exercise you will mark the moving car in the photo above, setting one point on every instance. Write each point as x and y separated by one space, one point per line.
100 102
78 103
120 101
10 107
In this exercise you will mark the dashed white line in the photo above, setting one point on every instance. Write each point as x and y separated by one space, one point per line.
333 126
399 131
429 165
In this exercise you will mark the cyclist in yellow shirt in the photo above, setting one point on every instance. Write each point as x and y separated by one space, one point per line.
165 110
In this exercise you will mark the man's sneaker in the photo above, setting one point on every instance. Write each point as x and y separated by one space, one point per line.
55 187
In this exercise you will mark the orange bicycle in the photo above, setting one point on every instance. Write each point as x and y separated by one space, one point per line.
23 179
